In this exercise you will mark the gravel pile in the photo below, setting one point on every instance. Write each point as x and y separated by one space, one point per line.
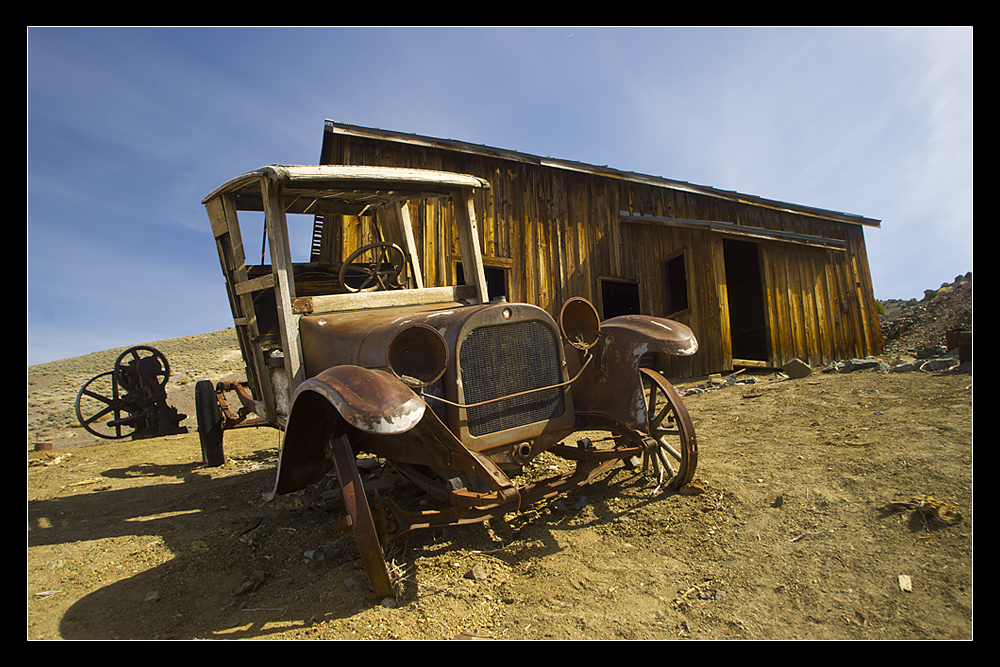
910 327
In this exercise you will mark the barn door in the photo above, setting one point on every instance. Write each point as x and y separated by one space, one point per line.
747 319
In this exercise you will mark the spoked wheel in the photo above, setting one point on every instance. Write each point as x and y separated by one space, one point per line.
99 407
378 274
360 516
675 457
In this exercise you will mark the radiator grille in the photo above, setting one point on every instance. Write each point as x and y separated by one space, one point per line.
505 359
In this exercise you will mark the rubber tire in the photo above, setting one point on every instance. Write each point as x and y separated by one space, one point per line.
209 416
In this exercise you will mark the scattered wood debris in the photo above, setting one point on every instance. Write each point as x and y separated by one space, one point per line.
933 510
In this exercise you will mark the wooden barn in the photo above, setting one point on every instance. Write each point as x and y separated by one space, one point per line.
759 281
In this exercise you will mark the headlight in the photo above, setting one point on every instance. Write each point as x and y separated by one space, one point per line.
417 355
580 323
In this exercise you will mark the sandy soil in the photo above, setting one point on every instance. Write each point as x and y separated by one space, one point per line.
808 528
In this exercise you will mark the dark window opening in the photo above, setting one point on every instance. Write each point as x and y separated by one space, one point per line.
675 285
496 280
619 298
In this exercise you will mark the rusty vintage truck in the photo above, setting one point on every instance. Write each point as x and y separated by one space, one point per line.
357 357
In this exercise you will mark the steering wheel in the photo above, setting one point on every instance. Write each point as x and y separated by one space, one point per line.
380 274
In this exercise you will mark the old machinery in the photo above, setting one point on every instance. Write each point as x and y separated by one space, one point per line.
130 400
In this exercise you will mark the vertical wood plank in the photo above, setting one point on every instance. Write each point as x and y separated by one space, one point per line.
720 310
468 232
398 217
771 297
284 281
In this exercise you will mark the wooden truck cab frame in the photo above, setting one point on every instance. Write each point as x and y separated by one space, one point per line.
457 392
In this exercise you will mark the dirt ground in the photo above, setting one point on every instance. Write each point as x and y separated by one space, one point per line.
807 529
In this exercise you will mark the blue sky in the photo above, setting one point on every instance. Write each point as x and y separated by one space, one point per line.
128 128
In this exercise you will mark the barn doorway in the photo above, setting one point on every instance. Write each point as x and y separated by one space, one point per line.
747 319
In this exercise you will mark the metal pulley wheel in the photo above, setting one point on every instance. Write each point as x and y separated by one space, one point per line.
99 407
142 368
130 400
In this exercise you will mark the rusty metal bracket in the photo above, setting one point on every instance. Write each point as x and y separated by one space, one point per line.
247 406
360 522
406 521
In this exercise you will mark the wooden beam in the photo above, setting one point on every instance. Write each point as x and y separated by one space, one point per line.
737 230
284 288
329 303
468 236
397 214
254 284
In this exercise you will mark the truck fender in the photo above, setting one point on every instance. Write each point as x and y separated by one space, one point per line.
371 400
611 386
655 334
329 405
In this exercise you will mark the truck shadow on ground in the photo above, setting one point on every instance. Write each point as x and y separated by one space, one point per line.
212 559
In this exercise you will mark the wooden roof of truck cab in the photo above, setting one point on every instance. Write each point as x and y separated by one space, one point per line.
382 183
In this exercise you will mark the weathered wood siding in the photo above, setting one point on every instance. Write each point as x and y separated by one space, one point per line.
819 302
558 232
554 230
